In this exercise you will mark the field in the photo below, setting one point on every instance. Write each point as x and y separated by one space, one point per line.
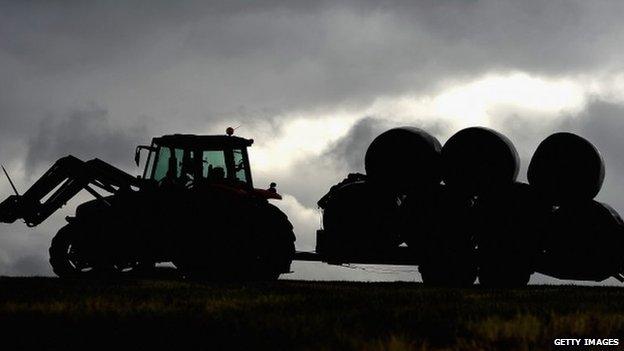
50 313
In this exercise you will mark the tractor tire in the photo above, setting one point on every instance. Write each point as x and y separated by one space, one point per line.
66 260
277 249
271 266
61 252
261 251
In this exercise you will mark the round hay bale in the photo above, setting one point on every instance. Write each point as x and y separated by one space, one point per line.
566 167
584 241
477 159
404 159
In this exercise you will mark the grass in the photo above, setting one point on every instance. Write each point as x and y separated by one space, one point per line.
49 313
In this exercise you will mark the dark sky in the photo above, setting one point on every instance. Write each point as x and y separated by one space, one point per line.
311 82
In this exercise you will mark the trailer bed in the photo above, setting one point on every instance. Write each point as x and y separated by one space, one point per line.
400 256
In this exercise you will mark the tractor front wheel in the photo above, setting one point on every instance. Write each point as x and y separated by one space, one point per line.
64 258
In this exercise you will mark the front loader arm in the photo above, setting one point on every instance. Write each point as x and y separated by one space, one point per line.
68 176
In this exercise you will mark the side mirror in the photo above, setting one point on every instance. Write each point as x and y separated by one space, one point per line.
137 156
137 152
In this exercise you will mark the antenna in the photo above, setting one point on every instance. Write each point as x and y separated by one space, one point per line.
10 181
229 131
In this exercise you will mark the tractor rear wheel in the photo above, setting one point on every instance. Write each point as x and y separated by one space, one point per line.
261 251
276 258
275 243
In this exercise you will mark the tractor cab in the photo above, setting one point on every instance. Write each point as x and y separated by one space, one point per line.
186 159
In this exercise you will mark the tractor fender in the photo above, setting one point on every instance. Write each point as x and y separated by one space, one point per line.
266 194
272 217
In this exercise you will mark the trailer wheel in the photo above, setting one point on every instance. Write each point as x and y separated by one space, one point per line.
435 274
509 226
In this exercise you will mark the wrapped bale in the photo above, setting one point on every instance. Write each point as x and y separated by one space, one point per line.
359 219
437 226
567 168
478 159
584 241
404 159
508 226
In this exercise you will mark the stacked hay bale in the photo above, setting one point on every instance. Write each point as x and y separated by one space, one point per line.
361 213
462 212
478 218
583 238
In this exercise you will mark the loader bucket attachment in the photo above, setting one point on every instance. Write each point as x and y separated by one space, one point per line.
10 209
67 176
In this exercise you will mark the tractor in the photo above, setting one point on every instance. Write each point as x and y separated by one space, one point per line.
194 206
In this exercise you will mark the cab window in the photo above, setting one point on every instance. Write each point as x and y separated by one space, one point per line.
179 154
239 166
214 165
172 163
162 163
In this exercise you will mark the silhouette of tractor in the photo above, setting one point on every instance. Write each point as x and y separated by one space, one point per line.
194 205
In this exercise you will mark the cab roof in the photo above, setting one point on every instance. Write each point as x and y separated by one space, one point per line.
185 141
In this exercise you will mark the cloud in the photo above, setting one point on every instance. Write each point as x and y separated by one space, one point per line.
599 121
349 151
602 123
29 265
25 251
206 60
305 221
76 79
85 133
